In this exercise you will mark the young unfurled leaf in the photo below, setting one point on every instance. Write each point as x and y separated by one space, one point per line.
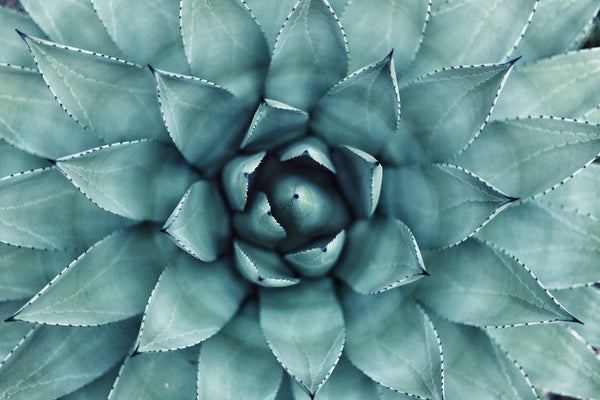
316 259
263 267
235 178
257 223
313 149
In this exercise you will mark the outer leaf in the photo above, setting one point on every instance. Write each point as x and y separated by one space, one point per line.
318 258
191 302
525 157
140 180
241 347
477 369
97 390
285 390
236 178
584 303
558 245
13 50
41 209
147 31
304 327
372 30
478 285
270 15
56 18
565 85
224 44
263 267
394 343
370 96
110 282
441 204
157 376
29 109
309 57
381 254
13 160
554 358
63 358
200 223
387 394
311 148
10 332
204 120
113 99
435 130
257 224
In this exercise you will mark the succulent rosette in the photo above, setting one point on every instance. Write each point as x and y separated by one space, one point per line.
299 200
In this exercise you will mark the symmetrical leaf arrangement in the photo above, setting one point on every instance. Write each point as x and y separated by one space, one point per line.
218 199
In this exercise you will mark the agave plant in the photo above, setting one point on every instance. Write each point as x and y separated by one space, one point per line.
386 199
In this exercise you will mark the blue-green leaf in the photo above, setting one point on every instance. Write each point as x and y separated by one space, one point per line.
98 389
62 20
584 304
14 160
441 204
304 327
191 302
109 282
141 180
311 148
11 332
393 342
381 254
63 358
158 376
200 223
41 209
113 99
147 31
257 223
309 57
204 120
31 120
316 259
251 371
263 267
476 284
14 51
236 179
224 44
446 111
524 157
557 244
361 111
270 15
554 357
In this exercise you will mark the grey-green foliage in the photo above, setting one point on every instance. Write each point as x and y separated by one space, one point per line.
307 200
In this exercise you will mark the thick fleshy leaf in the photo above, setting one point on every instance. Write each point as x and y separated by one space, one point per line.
567 23
564 85
14 50
311 148
476 284
200 223
560 246
263 267
446 111
524 157
10 332
225 45
109 282
360 177
141 180
441 204
191 302
270 15
63 358
372 30
147 31
158 376
285 390
387 394
236 179
274 123
554 357
241 347
381 254
393 342
346 382
363 110
465 33
309 57
31 120
41 209
257 224
584 304
204 120
304 327
23 271
98 389
317 258
475 368
62 20
14 160
113 99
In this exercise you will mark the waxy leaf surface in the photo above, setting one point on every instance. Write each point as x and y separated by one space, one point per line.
14 50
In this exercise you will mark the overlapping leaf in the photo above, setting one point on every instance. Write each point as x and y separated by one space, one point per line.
263 267
10 332
584 304
14 160
13 50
